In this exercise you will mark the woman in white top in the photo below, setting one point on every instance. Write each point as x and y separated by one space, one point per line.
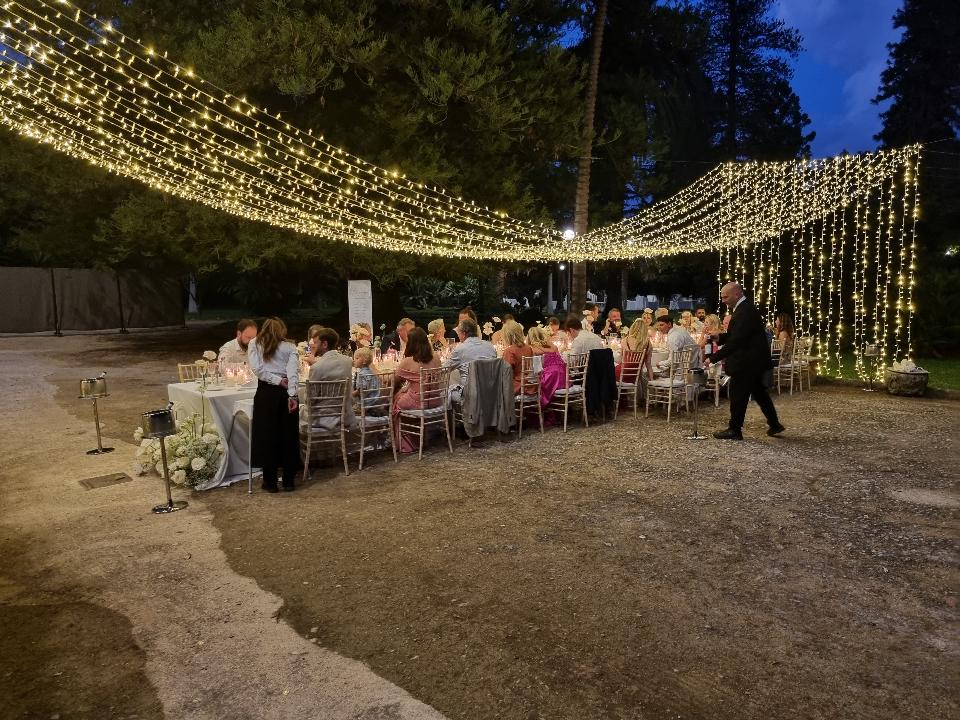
276 441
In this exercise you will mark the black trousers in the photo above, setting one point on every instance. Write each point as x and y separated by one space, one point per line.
741 388
276 438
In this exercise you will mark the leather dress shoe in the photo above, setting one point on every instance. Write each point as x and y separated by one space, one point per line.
728 434
271 488
775 429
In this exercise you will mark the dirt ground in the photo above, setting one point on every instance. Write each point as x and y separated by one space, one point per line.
615 572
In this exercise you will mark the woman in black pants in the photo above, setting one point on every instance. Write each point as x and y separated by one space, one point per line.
276 441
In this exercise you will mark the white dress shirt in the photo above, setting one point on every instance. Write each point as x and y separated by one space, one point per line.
465 353
231 352
585 342
678 338
285 363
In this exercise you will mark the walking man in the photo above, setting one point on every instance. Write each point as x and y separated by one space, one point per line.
746 352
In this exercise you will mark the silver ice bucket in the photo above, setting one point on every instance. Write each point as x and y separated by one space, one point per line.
93 388
159 423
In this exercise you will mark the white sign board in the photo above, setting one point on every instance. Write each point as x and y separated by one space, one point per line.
360 302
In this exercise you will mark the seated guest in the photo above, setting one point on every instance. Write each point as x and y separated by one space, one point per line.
469 348
554 373
637 339
497 338
235 351
437 332
397 341
784 331
613 324
581 341
331 365
366 379
553 328
676 338
647 317
699 317
711 329
686 321
514 352
311 345
406 380
591 315
467 314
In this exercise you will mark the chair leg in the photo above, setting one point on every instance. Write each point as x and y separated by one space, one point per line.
520 420
583 410
422 433
540 412
616 409
566 412
343 450
306 460
446 427
363 442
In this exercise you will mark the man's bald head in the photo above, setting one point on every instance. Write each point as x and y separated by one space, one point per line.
730 294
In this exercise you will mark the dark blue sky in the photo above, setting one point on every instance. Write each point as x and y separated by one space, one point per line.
845 50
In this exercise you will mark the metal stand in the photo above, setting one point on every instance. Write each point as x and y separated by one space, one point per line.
872 353
99 449
697 383
171 506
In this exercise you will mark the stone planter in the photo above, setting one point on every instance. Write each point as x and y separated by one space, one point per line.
906 383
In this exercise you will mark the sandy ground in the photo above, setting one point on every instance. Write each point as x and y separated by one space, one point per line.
109 611
616 572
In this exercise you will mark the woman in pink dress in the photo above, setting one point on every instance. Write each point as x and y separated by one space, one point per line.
516 349
554 374
406 381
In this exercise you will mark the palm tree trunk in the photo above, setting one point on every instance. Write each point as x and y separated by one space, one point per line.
578 293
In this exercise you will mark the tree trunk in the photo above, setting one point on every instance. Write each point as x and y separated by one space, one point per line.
733 43
578 294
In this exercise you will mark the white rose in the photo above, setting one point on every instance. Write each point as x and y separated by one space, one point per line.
182 450
209 355
145 442
219 448
198 464
179 477
210 438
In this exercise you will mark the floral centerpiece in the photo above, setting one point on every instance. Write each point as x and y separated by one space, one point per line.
193 454
203 364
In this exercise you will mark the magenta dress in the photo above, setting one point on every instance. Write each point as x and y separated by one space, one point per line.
553 377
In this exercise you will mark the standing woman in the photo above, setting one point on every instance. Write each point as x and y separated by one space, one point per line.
276 441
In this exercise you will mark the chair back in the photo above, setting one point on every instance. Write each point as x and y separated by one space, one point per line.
377 401
529 375
188 371
631 363
776 351
680 361
434 387
577 369
327 399
802 347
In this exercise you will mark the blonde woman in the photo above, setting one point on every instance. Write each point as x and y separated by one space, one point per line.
637 339
516 349
276 435
686 321
554 373
711 329
437 331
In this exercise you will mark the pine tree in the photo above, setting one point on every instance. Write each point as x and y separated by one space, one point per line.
760 116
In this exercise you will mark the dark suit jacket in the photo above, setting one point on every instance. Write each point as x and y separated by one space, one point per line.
744 346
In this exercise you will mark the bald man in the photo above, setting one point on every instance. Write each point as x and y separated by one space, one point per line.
747 353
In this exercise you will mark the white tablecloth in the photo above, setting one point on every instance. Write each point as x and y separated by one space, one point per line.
219 406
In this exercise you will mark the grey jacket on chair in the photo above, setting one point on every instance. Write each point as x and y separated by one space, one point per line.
488 397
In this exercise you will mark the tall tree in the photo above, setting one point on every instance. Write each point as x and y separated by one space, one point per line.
922 77
578 293
760 116
921 83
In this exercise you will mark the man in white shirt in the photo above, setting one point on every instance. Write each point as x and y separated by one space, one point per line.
331 365
700 318
677 338
235 351
469 348
590 315
582 341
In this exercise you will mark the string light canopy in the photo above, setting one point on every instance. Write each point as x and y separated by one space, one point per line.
71 80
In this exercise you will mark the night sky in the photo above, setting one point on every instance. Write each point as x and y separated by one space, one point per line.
845 50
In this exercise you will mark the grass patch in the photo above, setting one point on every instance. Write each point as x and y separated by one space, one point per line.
944 372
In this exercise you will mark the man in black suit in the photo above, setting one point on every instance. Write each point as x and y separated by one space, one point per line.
746 351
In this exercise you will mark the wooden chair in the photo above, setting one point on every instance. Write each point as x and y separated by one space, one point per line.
529 396
714 380
188 371
801 355
574 393
784 367
326 419
376 413
630 383
666 390
433 410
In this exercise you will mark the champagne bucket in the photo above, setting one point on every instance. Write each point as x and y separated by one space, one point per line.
159 423
93 388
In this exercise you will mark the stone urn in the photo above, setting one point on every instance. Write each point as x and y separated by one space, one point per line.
906 383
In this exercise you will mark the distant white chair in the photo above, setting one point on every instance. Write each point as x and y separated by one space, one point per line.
326 417
376 413
574 391
631 382
670 389
188 371
434 391
529 396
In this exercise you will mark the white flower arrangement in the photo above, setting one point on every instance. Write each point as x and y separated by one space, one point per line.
488 328
195 449
496 319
